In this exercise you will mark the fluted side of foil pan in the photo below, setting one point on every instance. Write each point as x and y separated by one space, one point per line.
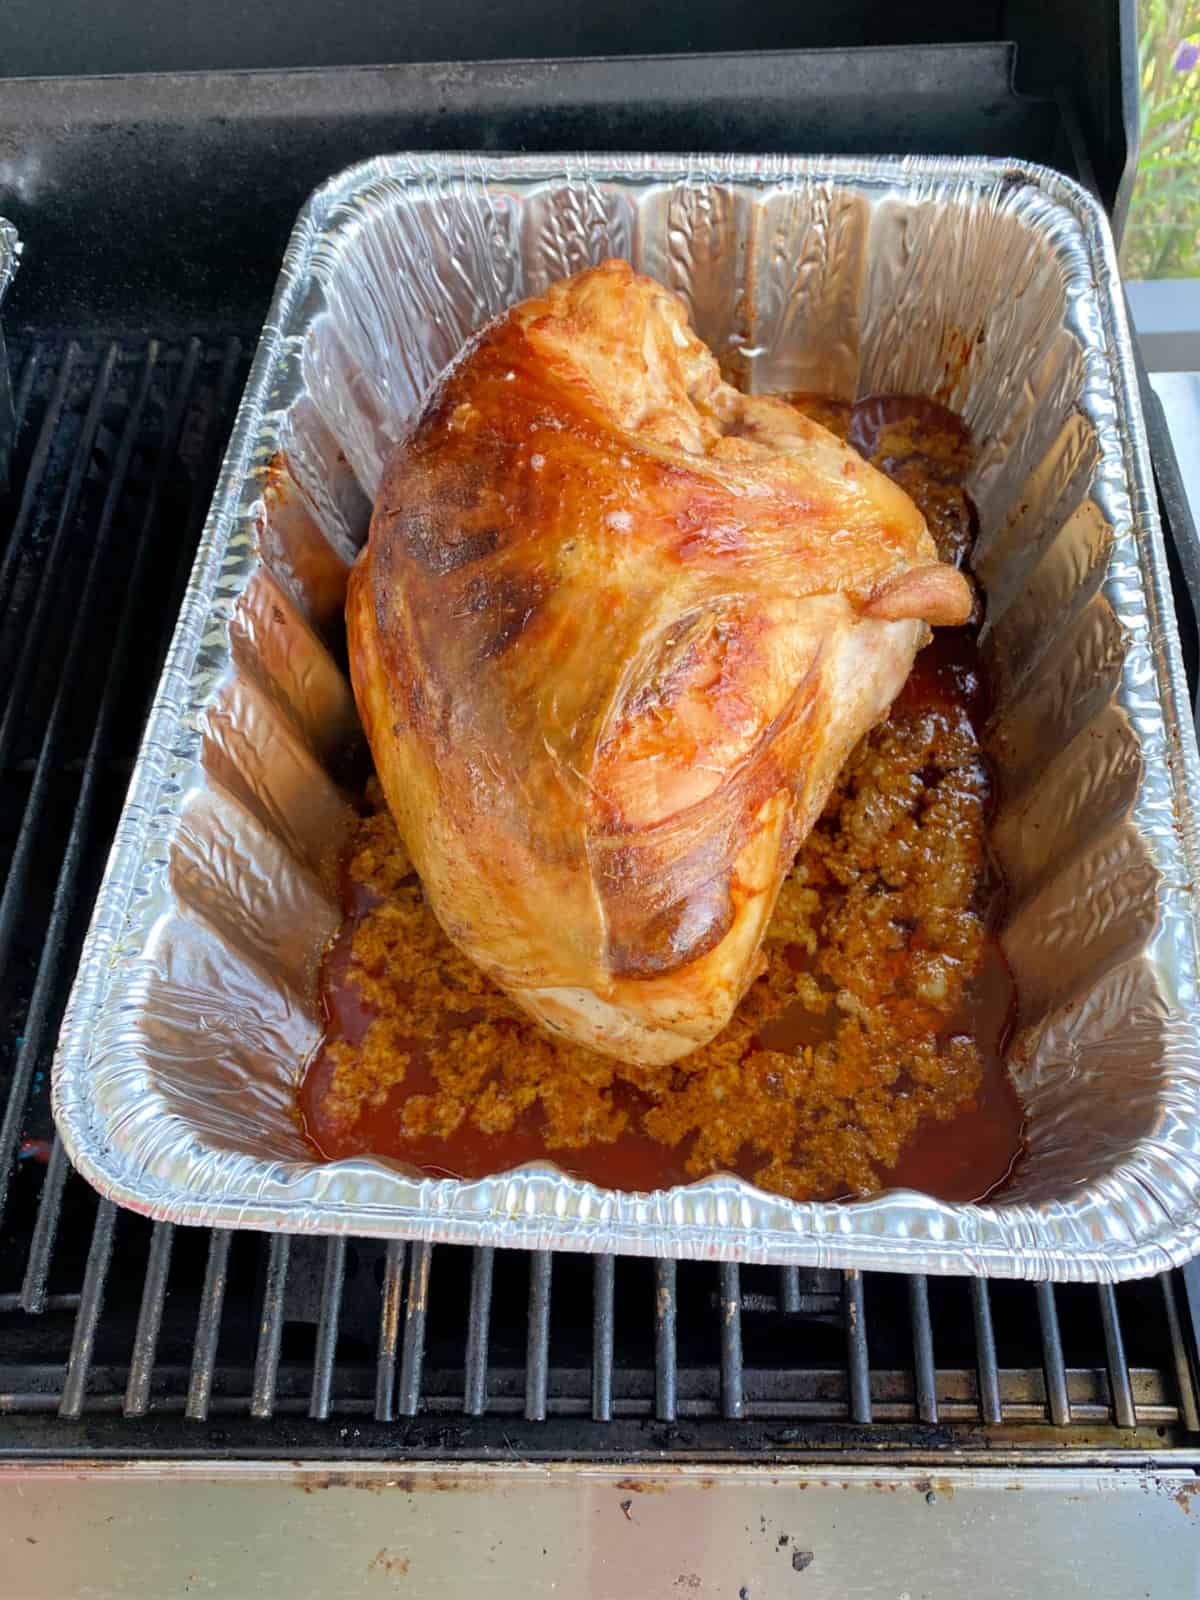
991 287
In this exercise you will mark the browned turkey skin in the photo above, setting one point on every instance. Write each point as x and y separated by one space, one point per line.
615 631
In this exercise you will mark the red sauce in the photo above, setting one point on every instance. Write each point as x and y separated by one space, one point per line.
633 1161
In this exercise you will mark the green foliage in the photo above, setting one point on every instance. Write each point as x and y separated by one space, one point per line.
1162 235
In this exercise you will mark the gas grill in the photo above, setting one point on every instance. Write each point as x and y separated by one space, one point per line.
154 211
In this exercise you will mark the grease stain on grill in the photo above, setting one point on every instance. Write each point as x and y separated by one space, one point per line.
935 1489
384 1561
407 1483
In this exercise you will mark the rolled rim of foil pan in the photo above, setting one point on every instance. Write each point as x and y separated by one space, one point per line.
10 257
1132 1212
10 254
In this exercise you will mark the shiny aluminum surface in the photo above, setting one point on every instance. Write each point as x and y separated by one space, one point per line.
10 250
989 286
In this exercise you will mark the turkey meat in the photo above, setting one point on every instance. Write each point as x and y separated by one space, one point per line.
615 630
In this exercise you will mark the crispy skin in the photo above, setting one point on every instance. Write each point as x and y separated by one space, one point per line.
615 630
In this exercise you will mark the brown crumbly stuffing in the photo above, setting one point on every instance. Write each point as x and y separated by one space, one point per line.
920 446
850 1041
876 938
928 462
835 415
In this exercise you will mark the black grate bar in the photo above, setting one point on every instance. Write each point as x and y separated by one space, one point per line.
145 1339
37 467
204 484
604 1275
14 888
14 896
922 1336
1185 1373
762 1420
666 1311
479 1317
1058 1401
34 1298
270 1327
75 663
416 1306
985 1353
53 1302
389 1330
34 634
732 1401
41 1009
24 389
1120 1388
858 1359
208 1326
13 404
789 1290
91 1300
327 1327
41 1005
537 1344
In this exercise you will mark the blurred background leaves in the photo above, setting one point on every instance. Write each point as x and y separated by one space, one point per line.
1162 235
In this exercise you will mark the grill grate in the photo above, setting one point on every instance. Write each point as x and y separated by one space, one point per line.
125 1337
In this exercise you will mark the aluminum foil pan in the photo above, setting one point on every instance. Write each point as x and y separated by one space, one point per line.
992 287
